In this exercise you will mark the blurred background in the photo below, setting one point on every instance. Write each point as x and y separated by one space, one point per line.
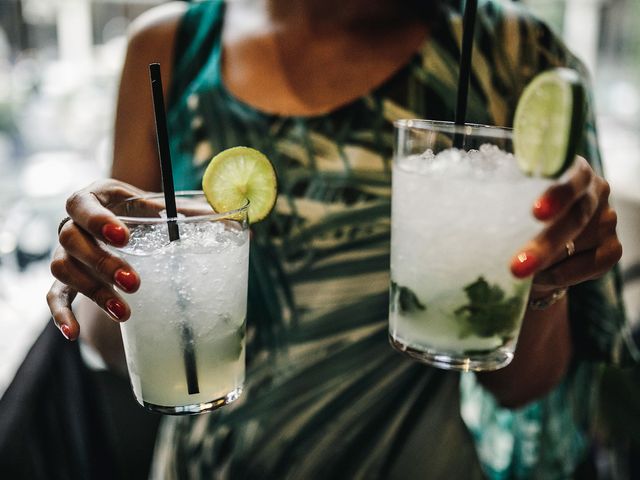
59 68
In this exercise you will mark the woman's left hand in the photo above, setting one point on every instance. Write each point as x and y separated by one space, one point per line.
579 241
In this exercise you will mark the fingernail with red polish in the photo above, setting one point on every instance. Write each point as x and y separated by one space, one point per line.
126 280
545 208
524 264
116 308
66 331
114 234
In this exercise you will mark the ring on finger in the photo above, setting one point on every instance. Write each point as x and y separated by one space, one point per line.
570 247
62 222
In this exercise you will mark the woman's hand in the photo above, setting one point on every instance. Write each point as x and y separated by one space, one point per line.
81 265
579 241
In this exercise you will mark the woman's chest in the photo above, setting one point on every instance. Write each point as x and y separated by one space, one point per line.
297 73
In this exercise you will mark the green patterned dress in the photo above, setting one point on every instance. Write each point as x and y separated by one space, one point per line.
326 397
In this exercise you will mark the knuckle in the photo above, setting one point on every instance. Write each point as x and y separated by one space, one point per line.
584 210
67 234
565 190
121 190
93 293
609 254
52 297
107 183
102 264
581 177
610 218
616 250
102 190
73 201
97 188
100 185
59 269
584 167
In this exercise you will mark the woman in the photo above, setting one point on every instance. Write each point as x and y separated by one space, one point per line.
315 85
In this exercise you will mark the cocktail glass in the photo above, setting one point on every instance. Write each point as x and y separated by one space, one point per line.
458 216
185 340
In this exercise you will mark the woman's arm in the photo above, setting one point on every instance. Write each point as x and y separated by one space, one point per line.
541 359
152 40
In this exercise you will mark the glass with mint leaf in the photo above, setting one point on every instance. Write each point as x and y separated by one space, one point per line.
461 208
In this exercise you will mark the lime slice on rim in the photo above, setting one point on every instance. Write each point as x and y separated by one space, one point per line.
549 121
239 174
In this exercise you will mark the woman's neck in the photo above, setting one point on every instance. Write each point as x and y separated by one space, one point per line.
331 14
322 17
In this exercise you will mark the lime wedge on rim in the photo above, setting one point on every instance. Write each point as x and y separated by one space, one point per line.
239 174
549 121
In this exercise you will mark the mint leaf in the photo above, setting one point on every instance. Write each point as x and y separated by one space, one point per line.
406 299
482 293
488 313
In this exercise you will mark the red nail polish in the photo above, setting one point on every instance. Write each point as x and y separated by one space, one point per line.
545 208
524 264
116 308
66 331
114 234
126 280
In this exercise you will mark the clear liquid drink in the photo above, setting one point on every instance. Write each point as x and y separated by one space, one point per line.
185 340
458 216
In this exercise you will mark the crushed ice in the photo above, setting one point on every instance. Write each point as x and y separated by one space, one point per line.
456 163
196 237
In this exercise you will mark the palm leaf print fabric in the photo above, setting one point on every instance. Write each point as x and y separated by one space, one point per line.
326 396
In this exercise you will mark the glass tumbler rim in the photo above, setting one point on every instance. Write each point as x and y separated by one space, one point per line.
215 216
442 126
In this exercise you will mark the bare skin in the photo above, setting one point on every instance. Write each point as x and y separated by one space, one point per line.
310 67
306 61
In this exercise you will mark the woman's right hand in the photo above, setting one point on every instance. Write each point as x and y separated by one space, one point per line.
81 265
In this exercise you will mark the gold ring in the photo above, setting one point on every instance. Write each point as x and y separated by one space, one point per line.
62 222
571 248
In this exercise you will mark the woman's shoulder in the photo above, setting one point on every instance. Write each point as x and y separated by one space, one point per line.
156 28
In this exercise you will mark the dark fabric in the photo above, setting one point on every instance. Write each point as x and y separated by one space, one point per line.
51 420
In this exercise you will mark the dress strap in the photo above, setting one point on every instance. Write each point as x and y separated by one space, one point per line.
199 34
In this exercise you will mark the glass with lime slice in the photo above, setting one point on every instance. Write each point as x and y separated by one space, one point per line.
461 208
196 283
458 214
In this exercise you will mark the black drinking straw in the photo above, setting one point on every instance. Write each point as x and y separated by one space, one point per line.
468 29
172 213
